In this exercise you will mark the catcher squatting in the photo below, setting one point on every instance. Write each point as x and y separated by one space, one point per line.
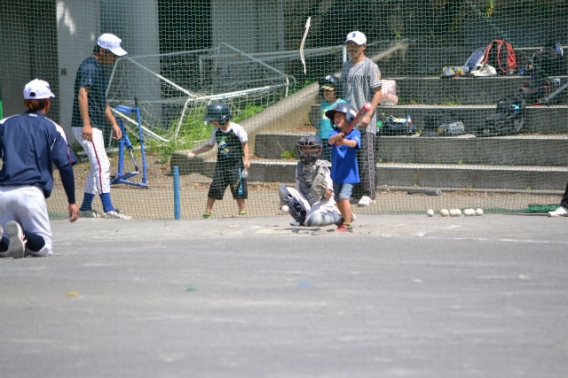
311 202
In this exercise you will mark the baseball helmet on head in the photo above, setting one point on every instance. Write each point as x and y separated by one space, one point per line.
349 111
309 140
330 82
218 111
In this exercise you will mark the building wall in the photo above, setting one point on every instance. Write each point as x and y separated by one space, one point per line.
78 26
264 22
27 45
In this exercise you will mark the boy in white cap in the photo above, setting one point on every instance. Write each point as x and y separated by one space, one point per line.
361 79
30 144
90 108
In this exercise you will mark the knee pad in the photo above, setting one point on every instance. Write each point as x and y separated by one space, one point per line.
314 220
283 193
325 218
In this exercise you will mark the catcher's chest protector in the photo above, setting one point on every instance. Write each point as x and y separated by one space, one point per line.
306 175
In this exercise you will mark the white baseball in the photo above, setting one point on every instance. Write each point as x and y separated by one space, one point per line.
468 212
453 212
285 209
430 212
478 212
444 213
458 213
190 154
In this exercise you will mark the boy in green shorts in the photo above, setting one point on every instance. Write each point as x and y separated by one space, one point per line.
232 157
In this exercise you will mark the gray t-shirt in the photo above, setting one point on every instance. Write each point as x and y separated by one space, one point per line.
359 80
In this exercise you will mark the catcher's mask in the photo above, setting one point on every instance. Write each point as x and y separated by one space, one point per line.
309 149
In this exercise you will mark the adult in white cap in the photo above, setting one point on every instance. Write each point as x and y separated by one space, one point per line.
361 79
90 108
562 210
30 144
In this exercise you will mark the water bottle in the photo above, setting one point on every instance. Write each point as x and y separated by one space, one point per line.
409 123
379 125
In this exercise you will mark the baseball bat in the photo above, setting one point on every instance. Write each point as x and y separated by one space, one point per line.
428 192
364 109
548 99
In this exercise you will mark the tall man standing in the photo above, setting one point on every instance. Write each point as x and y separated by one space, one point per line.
90 107
362 83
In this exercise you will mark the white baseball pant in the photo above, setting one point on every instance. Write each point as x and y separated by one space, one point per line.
26 205
98 179
322 213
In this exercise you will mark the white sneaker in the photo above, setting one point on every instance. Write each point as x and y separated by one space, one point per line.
17 245
116 214
560 212
365 201
89 214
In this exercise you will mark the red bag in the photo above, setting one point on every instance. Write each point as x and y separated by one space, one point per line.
496 56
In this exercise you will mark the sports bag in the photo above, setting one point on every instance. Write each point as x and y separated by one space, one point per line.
484 70
549 61
473 63
453 72
475 60
501 55
508 119
440 123
536 88
397 126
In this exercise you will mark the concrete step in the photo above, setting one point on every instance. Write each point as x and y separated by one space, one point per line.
430 60
519 150
464 176
538 119
461 91
472 176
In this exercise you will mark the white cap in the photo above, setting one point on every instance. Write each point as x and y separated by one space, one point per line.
111 42
37 90
357 37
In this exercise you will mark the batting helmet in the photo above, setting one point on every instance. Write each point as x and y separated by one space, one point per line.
309 140
331 82
217 111
343 107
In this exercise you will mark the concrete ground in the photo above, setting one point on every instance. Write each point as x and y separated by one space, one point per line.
403 296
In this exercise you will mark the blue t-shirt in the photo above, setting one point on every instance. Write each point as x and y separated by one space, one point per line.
90 74
30 144
324 126
344 169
